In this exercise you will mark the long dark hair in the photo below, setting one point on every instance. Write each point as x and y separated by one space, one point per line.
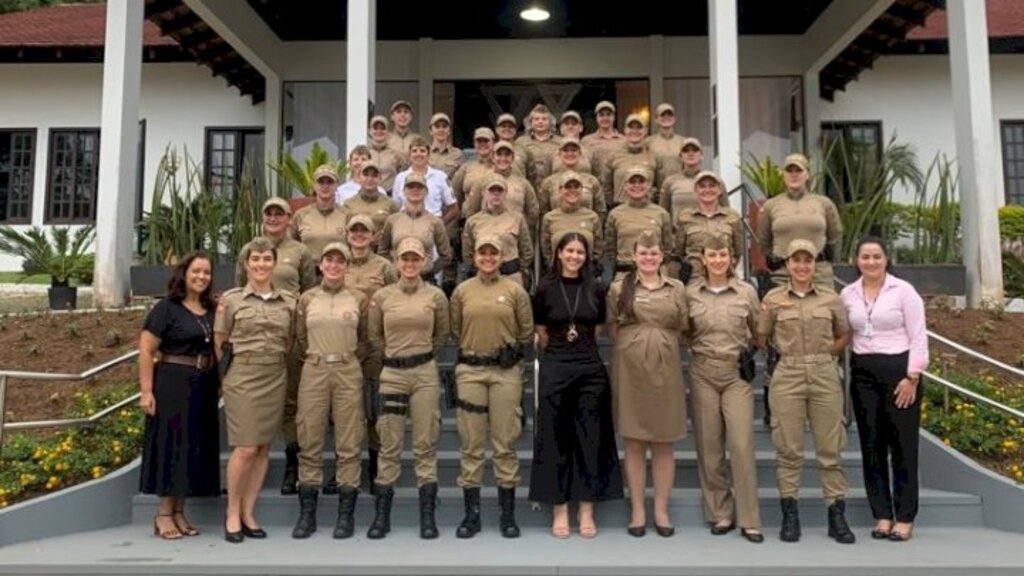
590 284
176 286
881 244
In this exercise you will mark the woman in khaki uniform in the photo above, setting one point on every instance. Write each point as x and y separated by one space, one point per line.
258 322
628 220
696 225
648 316
723 319
330 321
492 319
571 215
415 221
809 327
497 220
677 190
409 321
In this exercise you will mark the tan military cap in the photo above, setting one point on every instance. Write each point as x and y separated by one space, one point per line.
571 114
506 117
497 181
801 245
361 220
570 176
278 202
488 240
709 174
503 145
399 103
411 244
604 105
368 165
691 141
325 171
414 178
440 116
378 120
798 160
664 107
635 118
637 171
567 142
483 133
338 247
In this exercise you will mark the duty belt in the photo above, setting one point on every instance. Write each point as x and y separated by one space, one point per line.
480 360
258 358
510 267
409 361
199 362
470 407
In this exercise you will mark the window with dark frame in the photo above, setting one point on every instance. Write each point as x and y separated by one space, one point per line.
17 169
1013 160
227 151
858 138
72 182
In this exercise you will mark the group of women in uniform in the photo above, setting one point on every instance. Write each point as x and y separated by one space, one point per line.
366 340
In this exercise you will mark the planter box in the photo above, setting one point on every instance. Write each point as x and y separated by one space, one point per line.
62 297
928 279
151 279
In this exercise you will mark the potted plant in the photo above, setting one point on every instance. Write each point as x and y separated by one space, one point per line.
298 176
63 256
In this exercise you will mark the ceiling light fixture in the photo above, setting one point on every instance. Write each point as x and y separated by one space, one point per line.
535 14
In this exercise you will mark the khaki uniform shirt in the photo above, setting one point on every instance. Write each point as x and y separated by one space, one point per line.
602 147
520 197
488 313
390 162
586 165
539 154
316 228
511 227
722 324
378 208
400 143
407 319
558 223
369 274
613 177
446 159
591 196
785 218
664 306
666 150
802 326
294 272
331 321
423 225
678 191
521 161
694 229
625 224
255 325
468 176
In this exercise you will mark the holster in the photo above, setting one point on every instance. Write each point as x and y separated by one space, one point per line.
371 399
226 356
771 359
451 393
746 364
509 355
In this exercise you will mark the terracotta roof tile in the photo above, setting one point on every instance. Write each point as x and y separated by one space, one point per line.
1005 19
67 25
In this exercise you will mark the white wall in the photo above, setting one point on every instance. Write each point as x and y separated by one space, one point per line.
178 102
913 98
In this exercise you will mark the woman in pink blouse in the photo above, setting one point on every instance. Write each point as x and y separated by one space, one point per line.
890 351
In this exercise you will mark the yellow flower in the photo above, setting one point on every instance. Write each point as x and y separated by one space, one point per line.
3 503
3 492
947 442
117 460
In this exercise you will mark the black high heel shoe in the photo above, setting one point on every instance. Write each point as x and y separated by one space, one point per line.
637 531
754 537
722 530
257 533
665 531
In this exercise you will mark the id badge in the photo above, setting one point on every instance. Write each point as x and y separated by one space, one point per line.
869 330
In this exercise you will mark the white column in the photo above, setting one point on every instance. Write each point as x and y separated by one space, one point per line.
272 127
361 77
976 150
723 34
119 137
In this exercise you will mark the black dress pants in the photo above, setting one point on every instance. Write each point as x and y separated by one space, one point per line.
886 432
575 458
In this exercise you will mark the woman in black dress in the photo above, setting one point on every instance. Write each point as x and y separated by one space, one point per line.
181 448
574 458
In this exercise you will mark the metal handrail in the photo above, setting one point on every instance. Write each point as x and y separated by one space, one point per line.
974 395
49 376
975 354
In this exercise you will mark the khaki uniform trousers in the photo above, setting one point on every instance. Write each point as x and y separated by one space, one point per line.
489 403
293 368
371 369
723 417
807 389
412 392
336 390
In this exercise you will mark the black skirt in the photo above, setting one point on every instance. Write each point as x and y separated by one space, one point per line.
181 445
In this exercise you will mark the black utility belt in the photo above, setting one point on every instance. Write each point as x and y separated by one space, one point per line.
409 361
507 357
510 267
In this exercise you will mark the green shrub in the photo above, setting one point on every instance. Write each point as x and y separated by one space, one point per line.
1011 223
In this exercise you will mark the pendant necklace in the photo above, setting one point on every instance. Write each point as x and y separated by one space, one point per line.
202 325
572 334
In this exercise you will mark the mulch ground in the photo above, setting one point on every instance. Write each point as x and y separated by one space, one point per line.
995 335
67 343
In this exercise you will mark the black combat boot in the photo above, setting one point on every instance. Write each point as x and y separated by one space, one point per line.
345 525
507 502
291 469
790 531
471 523
385 494
306 524
371 468
428 503
838 529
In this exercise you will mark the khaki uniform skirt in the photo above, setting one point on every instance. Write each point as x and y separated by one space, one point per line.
254 393
649 401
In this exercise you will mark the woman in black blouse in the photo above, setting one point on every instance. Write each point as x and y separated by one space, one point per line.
181 447
574 458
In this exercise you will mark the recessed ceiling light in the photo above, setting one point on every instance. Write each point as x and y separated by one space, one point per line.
535 14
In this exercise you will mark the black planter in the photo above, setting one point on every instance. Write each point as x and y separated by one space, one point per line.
150 280
63 297
927 279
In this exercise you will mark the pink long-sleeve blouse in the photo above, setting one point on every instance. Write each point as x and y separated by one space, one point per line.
894 323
